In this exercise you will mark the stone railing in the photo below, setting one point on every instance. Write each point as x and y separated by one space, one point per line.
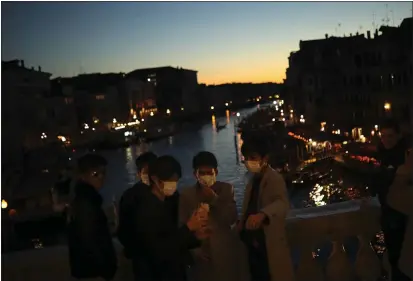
306 228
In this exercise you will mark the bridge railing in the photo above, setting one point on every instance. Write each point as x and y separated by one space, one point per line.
306 228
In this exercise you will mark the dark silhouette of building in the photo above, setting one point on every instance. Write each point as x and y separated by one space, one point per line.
353 81
175 88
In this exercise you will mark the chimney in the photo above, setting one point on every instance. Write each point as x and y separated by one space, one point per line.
368 34
40 68
22 63
326 36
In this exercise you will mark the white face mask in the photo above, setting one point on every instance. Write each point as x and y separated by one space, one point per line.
169 188
253 166
207 180
145 179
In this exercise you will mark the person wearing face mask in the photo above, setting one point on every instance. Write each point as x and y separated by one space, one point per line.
213 260
128 206
262 225
91 252
164 245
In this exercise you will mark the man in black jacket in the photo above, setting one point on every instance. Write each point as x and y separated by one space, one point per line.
164 245
128 205
391 154
91 252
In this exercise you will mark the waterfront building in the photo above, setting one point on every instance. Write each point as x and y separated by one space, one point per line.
137 98
96 98
175 88
353 81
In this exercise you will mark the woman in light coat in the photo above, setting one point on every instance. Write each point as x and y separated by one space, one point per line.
265 208
400 198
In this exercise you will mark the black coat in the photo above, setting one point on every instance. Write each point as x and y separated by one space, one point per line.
390 160
164 246
128 205
91 251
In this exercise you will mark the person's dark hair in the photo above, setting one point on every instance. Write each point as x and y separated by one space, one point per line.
204 158
90 162
145 159
391 124
255 146
165 167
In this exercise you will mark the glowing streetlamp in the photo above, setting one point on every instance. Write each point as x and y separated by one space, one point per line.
387 106
182 108
114 121
151 114
134 116
168 111
376 127
212 107
273 120
4 204
226 104
238 114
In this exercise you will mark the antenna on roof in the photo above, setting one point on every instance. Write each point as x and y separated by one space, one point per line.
374 22
360 29
386 19
392 17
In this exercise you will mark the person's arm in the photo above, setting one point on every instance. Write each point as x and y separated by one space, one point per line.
166 245
401 190
96 243
277 191
124 234
184 214
226 206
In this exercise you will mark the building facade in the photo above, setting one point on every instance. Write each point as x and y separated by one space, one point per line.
353 81
175 88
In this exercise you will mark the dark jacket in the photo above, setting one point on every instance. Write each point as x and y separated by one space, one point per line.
164 246
128 205
390 160
91 251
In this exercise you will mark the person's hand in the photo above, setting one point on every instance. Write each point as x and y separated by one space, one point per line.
239 226
255 221
197 220
208 193
201 255
203 233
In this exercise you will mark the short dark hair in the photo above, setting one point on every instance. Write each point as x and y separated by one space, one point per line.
165 167
90 162
391 124
255 146
145 159
204 158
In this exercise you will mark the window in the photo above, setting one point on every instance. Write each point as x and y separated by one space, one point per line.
100 97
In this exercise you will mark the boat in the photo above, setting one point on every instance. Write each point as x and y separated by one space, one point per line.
220 127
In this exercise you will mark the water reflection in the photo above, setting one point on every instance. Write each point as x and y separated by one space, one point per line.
227 115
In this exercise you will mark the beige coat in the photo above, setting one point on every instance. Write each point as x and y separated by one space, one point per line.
223 246
400 198
273 201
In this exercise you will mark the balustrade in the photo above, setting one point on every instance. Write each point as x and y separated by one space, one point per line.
307 229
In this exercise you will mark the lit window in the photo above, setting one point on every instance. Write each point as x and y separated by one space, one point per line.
100 97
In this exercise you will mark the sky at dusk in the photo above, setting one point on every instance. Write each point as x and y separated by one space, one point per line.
224 41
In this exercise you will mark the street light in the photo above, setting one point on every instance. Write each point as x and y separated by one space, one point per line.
387 106
226 104
212 107
114 120
151 114
238 114
4 204
168 111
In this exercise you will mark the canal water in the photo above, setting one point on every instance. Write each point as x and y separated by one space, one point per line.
121 170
